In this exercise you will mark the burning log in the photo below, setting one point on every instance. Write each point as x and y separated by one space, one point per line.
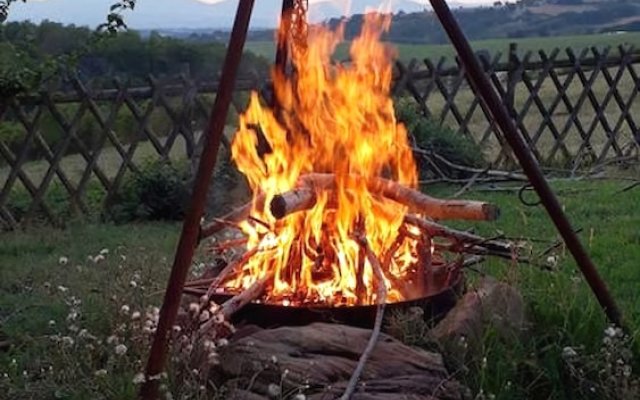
304 198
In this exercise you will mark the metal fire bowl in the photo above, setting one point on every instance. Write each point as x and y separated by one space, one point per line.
435 305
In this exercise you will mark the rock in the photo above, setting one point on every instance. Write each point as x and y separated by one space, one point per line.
320 358
491 305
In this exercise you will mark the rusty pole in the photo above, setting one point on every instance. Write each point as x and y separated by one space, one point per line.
485 90
191 227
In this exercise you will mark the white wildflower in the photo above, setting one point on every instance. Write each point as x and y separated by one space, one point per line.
552 260
177 329
274 359
135 315
204 316
208 345
52 322
99 258
612 332
67 340
273 390
104 252
194 308
63 289
124 310
223 342
120 349
123 257
100 372
63 260
213 358
569 352
133 284
139 378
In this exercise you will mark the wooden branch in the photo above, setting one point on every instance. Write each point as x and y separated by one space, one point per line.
230 269
237 302
377 326
436 230
488 172
234 217
293 201
304 198
229 244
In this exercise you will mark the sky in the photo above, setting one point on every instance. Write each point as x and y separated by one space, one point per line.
198 14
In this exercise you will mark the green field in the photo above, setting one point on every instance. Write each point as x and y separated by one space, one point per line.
434 52
57 314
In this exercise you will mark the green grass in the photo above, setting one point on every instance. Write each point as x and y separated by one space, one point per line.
560 304
407 52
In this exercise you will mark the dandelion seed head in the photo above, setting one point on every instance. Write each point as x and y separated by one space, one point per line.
120 349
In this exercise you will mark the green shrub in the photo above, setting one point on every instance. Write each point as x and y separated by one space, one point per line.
430 136
57 200
159 192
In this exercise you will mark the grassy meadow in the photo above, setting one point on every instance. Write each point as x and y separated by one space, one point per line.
407 52
73 304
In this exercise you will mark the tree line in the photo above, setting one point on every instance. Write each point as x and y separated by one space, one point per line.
33 54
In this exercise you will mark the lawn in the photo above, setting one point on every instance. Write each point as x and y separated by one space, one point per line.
68 301
407 52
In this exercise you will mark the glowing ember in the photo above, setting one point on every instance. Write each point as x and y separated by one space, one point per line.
336 119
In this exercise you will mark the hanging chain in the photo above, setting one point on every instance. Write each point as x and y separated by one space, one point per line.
299 25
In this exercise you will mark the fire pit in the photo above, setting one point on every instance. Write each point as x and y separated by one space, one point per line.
336 226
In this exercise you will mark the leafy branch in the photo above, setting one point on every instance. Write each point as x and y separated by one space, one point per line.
14 81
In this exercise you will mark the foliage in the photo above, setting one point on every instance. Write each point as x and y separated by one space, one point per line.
43 268
57 200
159 192
432 137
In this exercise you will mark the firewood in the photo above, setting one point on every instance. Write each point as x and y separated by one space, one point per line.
237 302
434 229
230 269
293 201
377 326
233 217
304 198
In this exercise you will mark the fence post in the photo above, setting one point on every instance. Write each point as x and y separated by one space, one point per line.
513 76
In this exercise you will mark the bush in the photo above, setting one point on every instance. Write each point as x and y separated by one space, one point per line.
57 200
159 192
430 136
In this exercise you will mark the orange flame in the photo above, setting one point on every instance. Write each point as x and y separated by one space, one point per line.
335 119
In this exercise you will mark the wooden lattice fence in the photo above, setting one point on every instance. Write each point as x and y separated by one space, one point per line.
570 107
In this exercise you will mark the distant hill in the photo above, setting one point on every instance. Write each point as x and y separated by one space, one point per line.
515 20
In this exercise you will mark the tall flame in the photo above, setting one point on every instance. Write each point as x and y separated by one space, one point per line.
335 119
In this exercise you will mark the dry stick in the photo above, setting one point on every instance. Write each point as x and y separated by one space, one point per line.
435 229
377 326
232 218
304 198
229 244
468 185
489 172
237 302
229 269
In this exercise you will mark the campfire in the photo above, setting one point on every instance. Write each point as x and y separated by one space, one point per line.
336 217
